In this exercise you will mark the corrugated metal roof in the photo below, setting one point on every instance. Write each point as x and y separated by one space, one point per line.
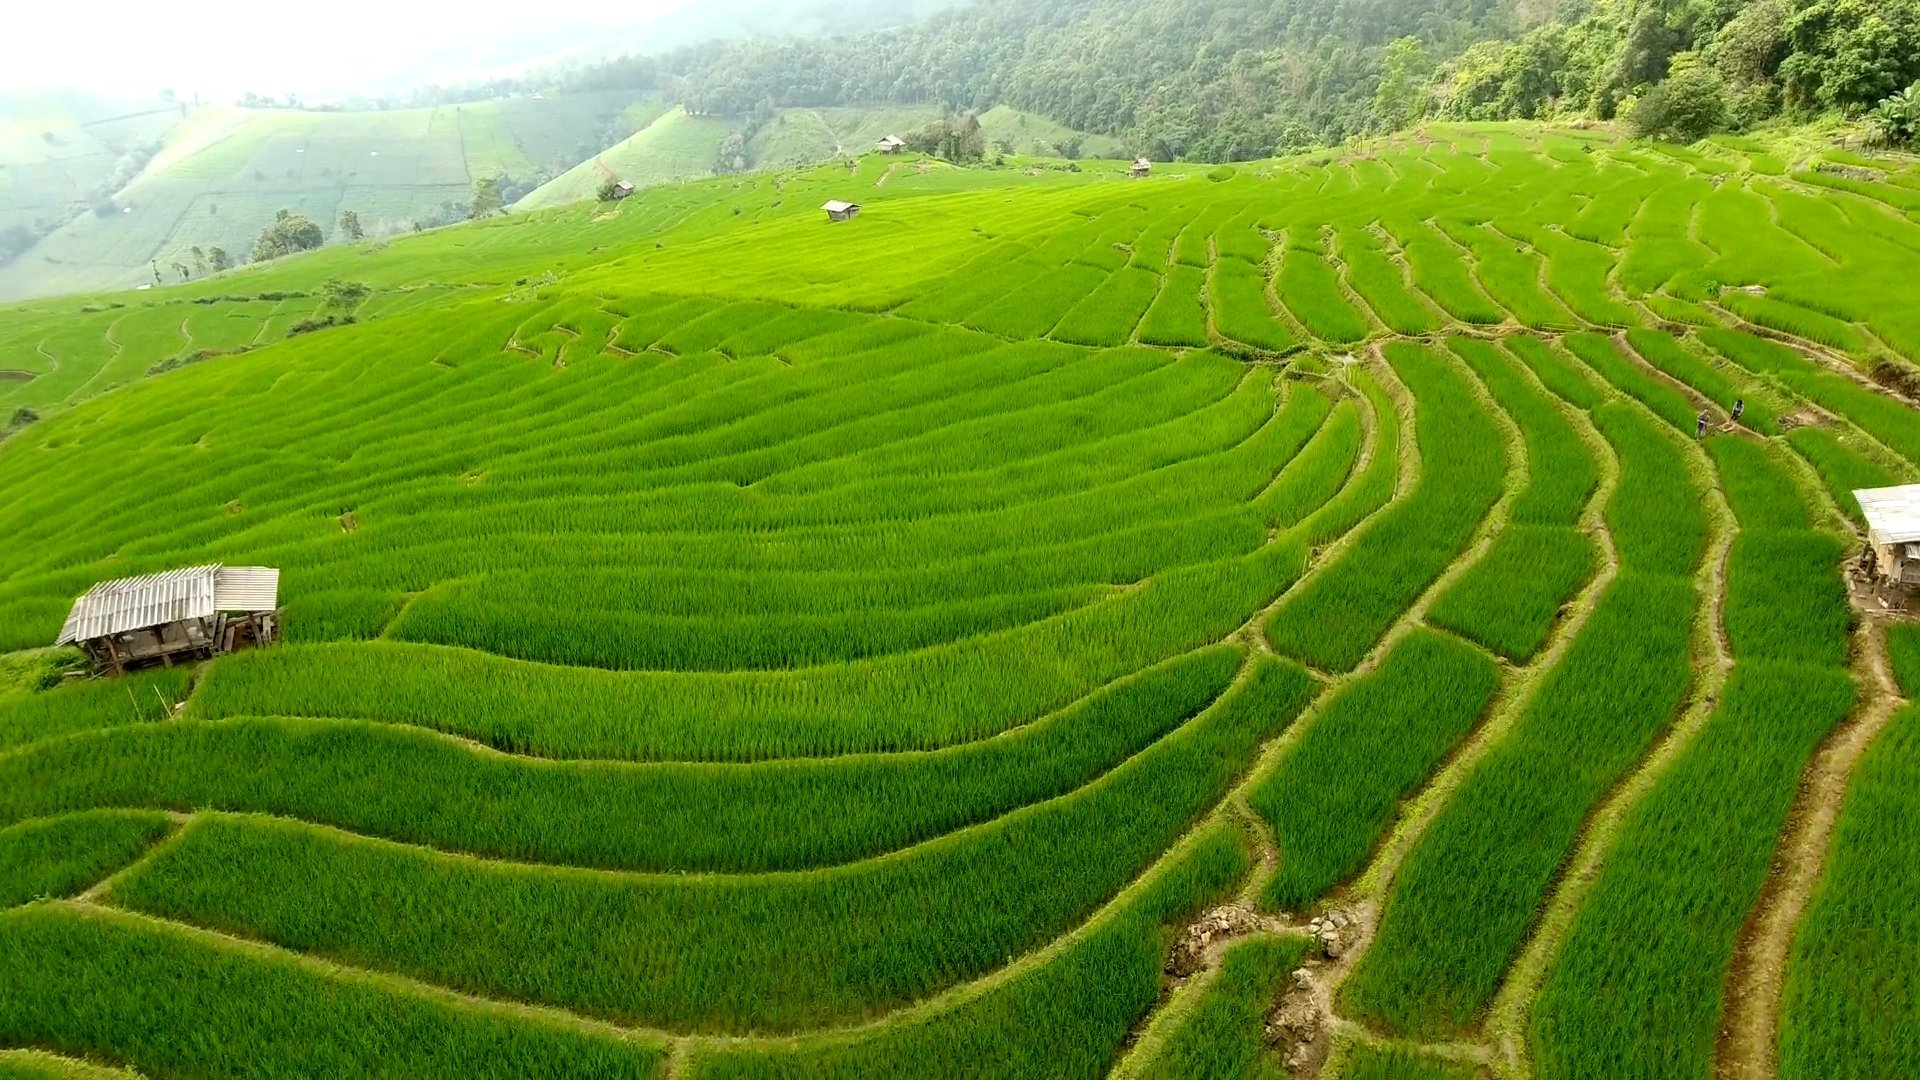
114 607
1893 513
136 603
835 206
246 588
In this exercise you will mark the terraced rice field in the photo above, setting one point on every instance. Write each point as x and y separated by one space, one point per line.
1227 624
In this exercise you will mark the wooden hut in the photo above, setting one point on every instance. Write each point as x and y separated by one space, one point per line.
1141 167
189 614
890 144
839 210
1893 534
622 189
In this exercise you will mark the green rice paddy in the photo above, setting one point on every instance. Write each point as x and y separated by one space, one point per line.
722 643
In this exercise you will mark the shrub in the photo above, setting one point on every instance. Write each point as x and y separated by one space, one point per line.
1689 105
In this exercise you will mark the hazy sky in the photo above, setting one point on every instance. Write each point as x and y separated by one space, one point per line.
221 48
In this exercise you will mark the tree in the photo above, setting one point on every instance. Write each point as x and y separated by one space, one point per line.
1689 105
344 295
486 199
732 155
1401 99
218 259
1849 54
609 190
289 233
1750 47
957 138
350 225
181 269
199 260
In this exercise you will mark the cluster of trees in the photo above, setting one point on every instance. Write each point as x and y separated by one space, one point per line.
1224 80
289 233
205 260
1685 68
731 157
957 138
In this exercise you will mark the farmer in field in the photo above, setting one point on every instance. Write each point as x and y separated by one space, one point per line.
1700 429
1739 406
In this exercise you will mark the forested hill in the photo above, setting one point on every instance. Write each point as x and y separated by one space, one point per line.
1237 79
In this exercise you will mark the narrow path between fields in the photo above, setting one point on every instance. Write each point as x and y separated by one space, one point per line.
1748 1042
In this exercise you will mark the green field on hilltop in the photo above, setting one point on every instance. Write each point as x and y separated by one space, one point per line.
673 146
224 172
721 642
58 149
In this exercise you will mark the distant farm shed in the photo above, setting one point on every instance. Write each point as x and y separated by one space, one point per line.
623 189
201 611
890 144
838 210
1141 167
1893 533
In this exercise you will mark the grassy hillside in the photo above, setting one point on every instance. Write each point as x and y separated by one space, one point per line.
225 171
776 647
674 146
804 136
1031 133
58 149
678 147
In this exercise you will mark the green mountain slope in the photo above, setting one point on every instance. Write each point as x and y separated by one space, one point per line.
675 146
678 146
224 172
60 149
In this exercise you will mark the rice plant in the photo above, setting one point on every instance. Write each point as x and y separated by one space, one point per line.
703 617
1240 311
1511 598
1333 796
96 981
1067 1017
1332 621
1604 357
1848 1006
1178 315
1382 283
1561 471
1679 881
1841 469
708 952
1311 290
773 816
1470 890
59 856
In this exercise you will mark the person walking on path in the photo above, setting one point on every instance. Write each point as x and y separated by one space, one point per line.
1739 406
1700 430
